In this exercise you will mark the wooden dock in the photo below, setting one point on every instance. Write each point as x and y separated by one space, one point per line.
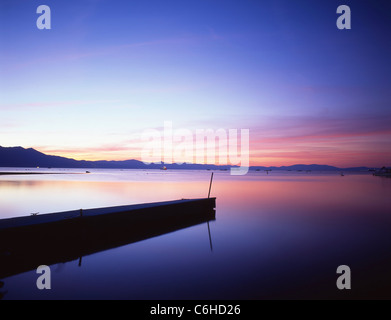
27 242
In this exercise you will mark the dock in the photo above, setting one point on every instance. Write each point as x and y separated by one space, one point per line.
27 242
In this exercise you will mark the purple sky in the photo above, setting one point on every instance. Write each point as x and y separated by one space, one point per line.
108 70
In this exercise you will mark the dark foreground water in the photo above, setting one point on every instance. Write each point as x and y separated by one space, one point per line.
281 235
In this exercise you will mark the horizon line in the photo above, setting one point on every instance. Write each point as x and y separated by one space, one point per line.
191 163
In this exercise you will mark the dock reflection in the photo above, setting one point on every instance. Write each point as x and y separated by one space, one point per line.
24 250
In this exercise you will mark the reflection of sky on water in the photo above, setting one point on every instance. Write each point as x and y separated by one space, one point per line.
272 233
22 195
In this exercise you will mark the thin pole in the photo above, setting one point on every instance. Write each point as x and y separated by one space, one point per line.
210 186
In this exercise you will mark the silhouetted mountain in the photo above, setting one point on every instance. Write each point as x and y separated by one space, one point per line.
31 158
310 167
303 167
20 157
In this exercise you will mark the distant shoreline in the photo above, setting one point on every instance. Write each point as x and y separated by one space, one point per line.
18 157
30 173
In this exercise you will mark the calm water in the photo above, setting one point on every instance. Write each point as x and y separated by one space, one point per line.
281 235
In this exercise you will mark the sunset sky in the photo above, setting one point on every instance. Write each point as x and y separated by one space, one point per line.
108 70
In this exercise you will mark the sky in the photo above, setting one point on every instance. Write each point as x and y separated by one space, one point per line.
108 70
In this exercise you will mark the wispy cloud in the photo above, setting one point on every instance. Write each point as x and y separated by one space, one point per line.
316 128
119 151
51 104
339 141
79 53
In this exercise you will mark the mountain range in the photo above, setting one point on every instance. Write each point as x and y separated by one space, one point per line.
31 158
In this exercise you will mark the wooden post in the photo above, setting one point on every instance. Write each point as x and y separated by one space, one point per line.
210 186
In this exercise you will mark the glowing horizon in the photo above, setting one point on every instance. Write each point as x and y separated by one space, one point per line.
107 70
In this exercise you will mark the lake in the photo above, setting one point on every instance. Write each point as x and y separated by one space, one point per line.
280 235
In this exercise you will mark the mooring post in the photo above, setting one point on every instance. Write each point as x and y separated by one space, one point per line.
81 212
210 186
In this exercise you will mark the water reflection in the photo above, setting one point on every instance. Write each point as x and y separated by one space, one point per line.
63 193
25 248
2 293
210 238
278 235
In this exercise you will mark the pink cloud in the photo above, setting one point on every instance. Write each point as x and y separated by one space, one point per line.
120 151
345 141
